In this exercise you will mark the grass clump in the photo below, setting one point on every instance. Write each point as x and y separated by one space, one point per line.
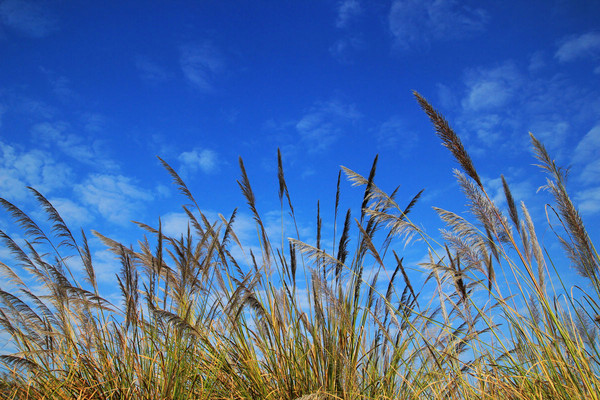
299 322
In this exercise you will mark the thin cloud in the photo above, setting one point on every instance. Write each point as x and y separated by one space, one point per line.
588 148
393 133
576 47
175 224
447 97
346 11
115 197
89 152
521 190
351 41
343 48
323 124
488 92
588 201
200 63
93 122
36 168
536 62
74 214
205 160
491 88
591 172
500 104
587 155
150 71
162 191
106 266
552 129
61 85
34 109
28 18
415 22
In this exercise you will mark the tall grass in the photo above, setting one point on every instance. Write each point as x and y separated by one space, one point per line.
299 322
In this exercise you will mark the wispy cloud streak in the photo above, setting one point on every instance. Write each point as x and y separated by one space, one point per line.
346 11
115 197
200 63
28 18
581 46
205 160
323 124
417 22
37 168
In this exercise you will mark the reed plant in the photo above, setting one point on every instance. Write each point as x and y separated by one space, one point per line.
293 320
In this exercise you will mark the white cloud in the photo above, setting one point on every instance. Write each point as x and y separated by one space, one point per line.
346 10
589 147
491 88
323 124
106 266
72 213
393 133
485 128
200 63
588 201
447 97
551 129
175 224
162 191
245 229
35 168
115 197
204 159
500 104
29 18
87 151
11 185
415 22
488 94
575 47
591 172
587 155
520 190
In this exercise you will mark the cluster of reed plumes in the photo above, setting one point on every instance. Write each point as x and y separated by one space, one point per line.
298 322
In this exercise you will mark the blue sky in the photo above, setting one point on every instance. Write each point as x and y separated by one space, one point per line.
91 92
